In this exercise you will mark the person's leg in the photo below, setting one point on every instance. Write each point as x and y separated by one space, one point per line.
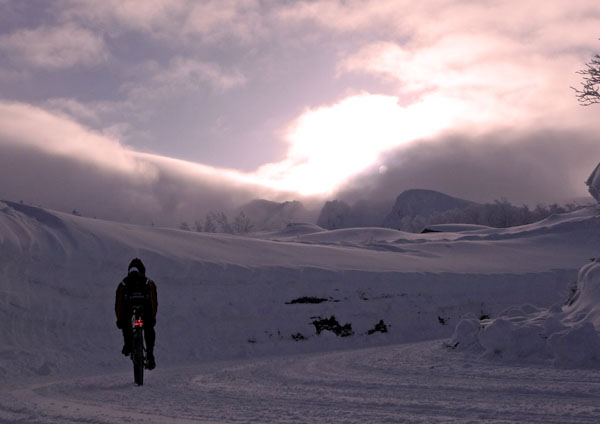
150 336
127 336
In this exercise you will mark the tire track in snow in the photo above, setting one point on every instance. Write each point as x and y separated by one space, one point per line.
415 383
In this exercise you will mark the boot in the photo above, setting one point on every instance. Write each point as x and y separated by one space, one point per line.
150 362
126 349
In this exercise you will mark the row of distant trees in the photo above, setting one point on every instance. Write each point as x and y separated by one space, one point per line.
499 214
218 222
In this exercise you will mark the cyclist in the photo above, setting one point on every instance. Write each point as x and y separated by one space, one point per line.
137 290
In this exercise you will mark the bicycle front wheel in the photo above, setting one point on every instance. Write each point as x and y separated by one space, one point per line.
138 358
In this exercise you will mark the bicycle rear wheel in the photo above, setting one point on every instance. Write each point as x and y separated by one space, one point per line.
138 358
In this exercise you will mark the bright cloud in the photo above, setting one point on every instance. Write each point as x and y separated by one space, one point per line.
331 143
25 125
460 71
69 165
58 135
457 68
517 82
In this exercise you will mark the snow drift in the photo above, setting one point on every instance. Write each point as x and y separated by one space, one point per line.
593 183
224 296
564 334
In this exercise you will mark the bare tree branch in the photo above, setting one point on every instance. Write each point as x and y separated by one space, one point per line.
589 94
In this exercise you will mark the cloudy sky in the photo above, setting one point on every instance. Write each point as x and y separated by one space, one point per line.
177 106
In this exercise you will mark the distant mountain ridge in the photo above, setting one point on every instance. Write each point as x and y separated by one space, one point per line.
416 209
409 204
412 211
419 202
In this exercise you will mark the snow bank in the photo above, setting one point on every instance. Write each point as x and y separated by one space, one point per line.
593 183
455 228
224 296
566 335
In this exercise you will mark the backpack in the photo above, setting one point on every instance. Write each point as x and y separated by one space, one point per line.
136 291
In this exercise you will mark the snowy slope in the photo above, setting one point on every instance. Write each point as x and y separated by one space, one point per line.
217 292
225 297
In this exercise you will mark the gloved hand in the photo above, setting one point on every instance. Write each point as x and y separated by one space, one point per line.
119 324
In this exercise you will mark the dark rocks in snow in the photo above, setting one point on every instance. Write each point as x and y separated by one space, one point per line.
332 324
298 337
380 327
573 294
307 299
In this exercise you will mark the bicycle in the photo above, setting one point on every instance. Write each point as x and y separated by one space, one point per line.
138 351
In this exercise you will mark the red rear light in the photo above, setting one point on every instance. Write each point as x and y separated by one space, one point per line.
139 323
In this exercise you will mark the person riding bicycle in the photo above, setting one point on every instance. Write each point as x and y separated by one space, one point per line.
137 290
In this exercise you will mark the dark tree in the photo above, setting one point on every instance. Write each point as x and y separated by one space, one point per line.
589 94
242 224
223 222
209 223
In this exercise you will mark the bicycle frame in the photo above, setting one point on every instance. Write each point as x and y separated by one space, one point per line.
138 351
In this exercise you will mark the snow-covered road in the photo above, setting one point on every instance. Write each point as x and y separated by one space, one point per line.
420 382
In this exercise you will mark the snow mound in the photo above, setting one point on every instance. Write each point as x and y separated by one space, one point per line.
593 183
355 235
292 231
565 335
454 228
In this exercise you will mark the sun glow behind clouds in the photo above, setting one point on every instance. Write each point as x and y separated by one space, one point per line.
331 143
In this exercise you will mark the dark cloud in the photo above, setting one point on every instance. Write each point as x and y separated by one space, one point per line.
171 195
49 160
533 167
540 167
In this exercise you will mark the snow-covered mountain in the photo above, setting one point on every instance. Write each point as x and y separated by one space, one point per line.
409 204
225 297
417 209
337 214
418 202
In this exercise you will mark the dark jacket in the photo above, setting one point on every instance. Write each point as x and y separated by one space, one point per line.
136 289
